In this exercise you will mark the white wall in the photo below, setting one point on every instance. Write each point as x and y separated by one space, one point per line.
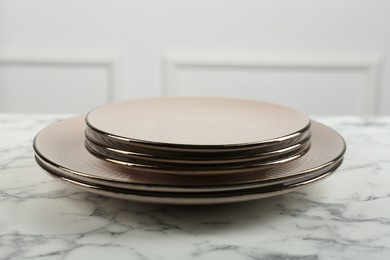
323 57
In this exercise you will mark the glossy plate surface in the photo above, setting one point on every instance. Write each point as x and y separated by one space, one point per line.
197 122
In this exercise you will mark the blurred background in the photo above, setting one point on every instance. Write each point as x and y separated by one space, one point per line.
322 57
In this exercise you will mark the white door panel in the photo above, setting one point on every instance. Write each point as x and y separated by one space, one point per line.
313 84
55 89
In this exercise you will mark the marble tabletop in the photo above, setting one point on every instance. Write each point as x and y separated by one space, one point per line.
346 216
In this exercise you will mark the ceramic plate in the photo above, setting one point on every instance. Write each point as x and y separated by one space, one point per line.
94 141
185 168
194 151
62 145
189 199
197 122
201 189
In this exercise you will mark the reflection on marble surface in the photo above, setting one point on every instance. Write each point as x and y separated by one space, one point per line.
345 216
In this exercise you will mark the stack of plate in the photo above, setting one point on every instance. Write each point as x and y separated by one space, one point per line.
189 150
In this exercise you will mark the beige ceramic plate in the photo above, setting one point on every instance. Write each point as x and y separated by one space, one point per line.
197 122
186 168
62 145
189 199
160 150
188 190
95 141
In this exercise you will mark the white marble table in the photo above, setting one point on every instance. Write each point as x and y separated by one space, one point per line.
346 216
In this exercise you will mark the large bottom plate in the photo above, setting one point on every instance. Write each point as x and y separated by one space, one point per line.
61 145
190 198
274 184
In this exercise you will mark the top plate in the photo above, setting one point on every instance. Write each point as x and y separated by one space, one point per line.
198 122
